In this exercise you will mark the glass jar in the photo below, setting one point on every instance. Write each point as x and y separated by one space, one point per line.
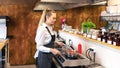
110 38
116 40
100 36
105 37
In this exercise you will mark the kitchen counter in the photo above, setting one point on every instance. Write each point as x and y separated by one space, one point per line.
116 48
3 43
107 55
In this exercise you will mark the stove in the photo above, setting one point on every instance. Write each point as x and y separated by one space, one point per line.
66 60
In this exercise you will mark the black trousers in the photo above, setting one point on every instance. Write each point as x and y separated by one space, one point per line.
52 65
44 61
36 62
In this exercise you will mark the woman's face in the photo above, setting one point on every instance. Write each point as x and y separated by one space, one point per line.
51 20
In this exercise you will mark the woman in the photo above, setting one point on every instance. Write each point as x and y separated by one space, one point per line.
45 39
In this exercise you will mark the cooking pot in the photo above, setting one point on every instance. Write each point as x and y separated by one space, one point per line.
71 54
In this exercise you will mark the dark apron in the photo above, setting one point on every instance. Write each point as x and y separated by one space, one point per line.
44 60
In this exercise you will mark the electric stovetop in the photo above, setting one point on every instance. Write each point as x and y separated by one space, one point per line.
68 60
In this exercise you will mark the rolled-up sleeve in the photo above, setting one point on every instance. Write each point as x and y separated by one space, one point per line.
40 40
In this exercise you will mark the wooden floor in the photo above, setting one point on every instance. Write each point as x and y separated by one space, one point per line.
24 66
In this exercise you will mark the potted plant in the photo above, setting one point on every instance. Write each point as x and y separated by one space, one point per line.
86 26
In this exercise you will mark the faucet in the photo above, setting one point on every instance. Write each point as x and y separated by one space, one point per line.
71 44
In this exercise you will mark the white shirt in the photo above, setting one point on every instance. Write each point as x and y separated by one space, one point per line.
43 37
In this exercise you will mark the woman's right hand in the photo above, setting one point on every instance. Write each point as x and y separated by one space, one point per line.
55 51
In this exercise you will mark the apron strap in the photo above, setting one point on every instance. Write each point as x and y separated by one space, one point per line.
48 31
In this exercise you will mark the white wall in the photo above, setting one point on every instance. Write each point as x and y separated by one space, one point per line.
108 57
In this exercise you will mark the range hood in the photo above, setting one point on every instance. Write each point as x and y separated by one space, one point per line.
51 6
64 1
65 4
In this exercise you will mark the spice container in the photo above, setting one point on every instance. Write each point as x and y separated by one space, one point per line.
116 40
110 38
119 40
100 36
105 37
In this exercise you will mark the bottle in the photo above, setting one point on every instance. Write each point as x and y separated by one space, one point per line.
80 48
109 39
119 40
100 36
105 37
116 40
113 34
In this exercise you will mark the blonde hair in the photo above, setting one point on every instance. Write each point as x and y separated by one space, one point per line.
49 13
